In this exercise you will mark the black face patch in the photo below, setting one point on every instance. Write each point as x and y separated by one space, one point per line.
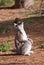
19 23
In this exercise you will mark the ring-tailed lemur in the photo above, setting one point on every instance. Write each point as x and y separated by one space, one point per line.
22 42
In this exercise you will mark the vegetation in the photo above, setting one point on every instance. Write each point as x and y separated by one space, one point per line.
32 20
5 46
4 2
1 28
4 28
41 45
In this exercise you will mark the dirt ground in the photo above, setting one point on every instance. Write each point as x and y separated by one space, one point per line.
35 30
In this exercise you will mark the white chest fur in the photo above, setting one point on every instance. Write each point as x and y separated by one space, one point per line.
22 35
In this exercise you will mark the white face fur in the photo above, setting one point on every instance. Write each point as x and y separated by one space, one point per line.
19 25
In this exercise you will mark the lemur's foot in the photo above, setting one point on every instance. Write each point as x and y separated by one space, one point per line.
28 54
31 52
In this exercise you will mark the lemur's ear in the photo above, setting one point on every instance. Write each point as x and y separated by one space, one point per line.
15 24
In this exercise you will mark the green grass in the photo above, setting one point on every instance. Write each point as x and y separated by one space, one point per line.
4 28
1 28
4 2
33 20
5 46
0 64
41 45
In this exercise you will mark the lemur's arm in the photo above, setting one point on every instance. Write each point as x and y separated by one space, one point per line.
16 43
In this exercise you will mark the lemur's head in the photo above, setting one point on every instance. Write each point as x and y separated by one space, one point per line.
18 23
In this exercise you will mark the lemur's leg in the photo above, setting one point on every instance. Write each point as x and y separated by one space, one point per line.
26 48
28 54
18 46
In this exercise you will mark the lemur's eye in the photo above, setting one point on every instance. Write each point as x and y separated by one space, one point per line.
19 23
